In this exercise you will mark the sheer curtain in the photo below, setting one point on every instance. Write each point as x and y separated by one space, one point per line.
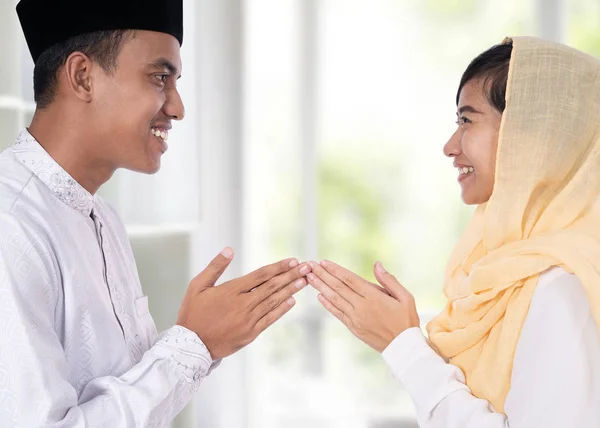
345 124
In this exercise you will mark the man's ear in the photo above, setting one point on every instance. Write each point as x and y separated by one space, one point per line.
77 74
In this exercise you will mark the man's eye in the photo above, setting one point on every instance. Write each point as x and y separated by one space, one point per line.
162 77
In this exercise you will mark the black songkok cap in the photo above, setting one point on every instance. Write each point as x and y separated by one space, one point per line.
48 22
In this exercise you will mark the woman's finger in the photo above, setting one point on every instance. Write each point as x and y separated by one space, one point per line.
334 310
335 298
355 282
379 288
334 283
390 282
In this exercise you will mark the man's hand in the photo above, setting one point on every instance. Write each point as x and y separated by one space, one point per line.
232 315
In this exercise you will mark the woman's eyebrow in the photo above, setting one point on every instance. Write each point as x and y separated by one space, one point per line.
468 109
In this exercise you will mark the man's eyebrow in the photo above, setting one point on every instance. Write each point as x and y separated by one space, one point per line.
468 109
165 64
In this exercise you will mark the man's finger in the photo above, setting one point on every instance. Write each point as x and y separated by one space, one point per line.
264 291
273 316
274 300
332 296
260 276
211 274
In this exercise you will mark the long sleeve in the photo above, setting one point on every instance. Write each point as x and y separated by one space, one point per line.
35 388
556 373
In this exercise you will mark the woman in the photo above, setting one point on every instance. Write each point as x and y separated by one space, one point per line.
518 343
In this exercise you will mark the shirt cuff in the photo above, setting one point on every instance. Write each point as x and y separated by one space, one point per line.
425 375
188 351
407 348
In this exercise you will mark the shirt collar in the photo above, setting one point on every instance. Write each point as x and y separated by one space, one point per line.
33 156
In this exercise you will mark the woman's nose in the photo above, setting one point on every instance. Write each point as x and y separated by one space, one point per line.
452 147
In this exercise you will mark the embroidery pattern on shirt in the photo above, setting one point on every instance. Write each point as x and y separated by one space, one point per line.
33 156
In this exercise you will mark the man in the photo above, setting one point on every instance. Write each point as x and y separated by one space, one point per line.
78 347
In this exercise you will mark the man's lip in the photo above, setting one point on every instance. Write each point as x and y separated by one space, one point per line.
164 144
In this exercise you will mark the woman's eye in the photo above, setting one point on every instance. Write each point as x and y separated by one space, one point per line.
463 120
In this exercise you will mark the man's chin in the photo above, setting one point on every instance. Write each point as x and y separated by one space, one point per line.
149 169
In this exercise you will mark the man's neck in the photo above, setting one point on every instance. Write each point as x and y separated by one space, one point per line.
71 146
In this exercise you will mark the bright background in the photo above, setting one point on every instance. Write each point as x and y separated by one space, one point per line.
314 129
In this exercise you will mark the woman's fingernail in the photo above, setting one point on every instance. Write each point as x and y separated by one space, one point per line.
323 263
311 276
300 283
293 263
380 267
304 270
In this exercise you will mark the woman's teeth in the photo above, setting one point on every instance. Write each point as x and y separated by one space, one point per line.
465 170
161 134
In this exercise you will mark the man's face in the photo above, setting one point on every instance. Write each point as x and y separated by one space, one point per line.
134 105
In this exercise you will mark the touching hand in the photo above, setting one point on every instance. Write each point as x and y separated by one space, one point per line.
231 315
374 314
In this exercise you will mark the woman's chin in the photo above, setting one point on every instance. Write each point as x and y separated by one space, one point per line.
473 198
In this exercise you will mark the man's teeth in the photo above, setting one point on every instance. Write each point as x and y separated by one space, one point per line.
465 170
162 134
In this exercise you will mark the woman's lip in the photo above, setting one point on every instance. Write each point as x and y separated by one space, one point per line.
462 177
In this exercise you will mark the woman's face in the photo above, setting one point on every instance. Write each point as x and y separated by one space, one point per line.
473 146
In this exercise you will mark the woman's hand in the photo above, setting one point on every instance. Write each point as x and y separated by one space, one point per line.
374 314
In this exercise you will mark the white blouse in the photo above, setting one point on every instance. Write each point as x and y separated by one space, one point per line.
555 381
78 347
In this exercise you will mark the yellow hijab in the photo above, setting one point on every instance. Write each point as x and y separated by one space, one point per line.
544 211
